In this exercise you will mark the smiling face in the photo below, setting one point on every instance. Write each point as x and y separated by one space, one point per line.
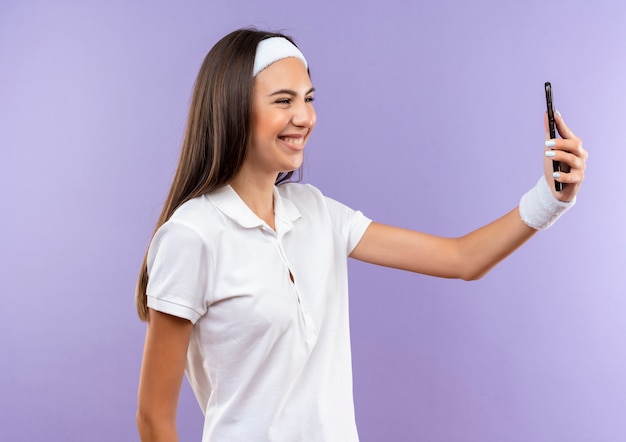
282 118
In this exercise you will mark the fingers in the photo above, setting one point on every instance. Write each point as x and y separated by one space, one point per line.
571 145
571 154
567 150
573 160
568 142
572 166
572 177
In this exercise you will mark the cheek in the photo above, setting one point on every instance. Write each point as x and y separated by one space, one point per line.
268 126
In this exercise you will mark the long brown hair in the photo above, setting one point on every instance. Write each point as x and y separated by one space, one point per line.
218 130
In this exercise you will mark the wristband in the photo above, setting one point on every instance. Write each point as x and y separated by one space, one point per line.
539 208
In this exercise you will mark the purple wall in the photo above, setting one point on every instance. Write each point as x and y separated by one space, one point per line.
429 116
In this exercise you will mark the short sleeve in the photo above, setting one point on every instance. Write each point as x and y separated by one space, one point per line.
178 270
350 224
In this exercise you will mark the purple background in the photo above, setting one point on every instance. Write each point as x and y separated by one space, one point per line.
429 117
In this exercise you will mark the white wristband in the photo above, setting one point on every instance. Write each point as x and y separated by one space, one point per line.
539 208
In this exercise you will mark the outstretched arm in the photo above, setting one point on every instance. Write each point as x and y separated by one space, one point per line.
468 257
473 255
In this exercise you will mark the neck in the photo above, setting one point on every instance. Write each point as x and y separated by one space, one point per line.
258 194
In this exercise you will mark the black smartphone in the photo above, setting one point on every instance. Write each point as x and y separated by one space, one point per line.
556 166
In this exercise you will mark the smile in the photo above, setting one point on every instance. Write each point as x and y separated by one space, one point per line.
295 141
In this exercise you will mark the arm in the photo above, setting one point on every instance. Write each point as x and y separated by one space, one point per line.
468 257
162 370
473 255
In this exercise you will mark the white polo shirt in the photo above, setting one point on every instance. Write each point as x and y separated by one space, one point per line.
269 359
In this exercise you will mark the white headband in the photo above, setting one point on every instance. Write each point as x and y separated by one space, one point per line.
271 50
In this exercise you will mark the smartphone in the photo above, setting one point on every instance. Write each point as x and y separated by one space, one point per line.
556 166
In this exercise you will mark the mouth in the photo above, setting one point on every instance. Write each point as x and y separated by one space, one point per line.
294 142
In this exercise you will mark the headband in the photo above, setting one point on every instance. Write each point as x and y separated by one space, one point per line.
271 50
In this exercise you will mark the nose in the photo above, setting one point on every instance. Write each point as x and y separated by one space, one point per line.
304 115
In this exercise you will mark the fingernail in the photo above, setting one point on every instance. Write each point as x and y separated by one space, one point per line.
550 143
556 175
550 153
557 111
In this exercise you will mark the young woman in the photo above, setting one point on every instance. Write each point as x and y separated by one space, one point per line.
244 285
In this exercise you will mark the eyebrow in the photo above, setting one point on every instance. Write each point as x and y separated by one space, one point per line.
290 92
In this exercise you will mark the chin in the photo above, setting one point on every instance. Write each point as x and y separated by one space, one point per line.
295 165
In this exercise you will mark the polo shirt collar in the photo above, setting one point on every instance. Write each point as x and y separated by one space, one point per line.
231 204
284 208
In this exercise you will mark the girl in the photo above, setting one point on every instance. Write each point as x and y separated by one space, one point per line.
244 285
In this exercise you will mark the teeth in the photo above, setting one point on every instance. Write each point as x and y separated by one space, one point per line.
293 140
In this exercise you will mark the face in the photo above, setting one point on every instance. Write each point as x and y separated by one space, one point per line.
282 117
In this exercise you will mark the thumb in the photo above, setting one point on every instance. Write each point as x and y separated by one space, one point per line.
563 129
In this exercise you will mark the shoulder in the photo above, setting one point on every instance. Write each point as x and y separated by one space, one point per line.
295 191
307 194
308 199
189 222
185 234
193 211
196 214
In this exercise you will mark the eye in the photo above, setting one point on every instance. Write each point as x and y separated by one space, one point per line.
309 99
283 101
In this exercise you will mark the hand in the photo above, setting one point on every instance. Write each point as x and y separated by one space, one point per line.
568 150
